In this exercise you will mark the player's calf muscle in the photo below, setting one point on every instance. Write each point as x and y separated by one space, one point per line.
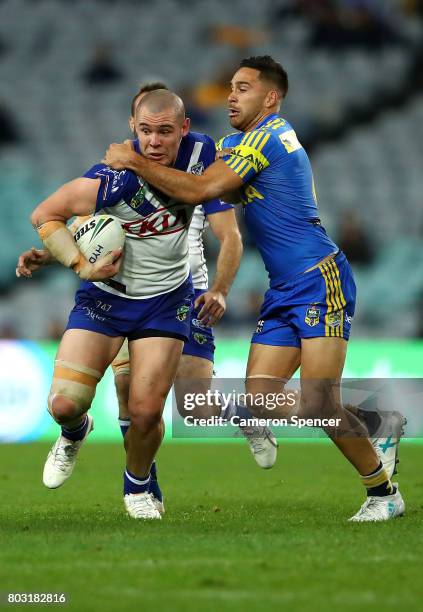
122 393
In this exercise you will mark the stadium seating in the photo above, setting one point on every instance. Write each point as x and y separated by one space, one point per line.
66 125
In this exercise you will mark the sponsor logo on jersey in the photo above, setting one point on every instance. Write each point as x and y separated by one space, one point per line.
259 327
200 338
250 193
181 313
259 166
312 316
197 168
334 319
163 221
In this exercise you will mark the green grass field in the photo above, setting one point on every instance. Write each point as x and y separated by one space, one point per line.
234 537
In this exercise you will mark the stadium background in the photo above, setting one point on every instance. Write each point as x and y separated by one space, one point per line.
234 537
68 71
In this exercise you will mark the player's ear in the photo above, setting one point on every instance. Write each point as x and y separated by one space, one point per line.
271 98
185 126
131 124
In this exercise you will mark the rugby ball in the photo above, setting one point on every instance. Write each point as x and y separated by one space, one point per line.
98 236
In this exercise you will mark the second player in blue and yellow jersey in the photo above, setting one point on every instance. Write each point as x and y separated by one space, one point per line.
280 208
279 198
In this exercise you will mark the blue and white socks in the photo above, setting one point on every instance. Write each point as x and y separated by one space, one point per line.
133 484
78 433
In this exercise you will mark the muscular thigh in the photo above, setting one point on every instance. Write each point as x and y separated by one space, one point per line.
323 358
154 362
89 349
80 363
272 361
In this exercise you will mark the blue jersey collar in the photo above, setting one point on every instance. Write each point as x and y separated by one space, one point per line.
268 118
136 146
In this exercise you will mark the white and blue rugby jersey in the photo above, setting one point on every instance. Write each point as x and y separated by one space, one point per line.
155 260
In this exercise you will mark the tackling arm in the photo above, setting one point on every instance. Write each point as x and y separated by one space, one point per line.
216 181
224 227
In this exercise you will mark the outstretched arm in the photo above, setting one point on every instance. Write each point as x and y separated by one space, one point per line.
216 181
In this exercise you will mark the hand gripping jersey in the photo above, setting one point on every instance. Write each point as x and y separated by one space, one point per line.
279 198
156 247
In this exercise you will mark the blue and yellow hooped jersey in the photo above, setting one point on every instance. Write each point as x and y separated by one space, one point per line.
279 198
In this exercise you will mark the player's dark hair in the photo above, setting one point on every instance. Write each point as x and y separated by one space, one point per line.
270 70
146 88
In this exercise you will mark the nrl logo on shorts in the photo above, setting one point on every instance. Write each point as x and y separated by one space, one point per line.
200 338
138 198
312 316
334 319
181 313
259 327
197 168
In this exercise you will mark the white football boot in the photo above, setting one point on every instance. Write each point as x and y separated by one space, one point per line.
377 508
385 436
263 445
62 458
159 505
386 439
141 506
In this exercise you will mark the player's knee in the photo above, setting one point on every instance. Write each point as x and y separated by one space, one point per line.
146 413
72 390
147 422
63 409
319 399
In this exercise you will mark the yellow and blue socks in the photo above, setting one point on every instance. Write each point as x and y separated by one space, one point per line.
378 483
